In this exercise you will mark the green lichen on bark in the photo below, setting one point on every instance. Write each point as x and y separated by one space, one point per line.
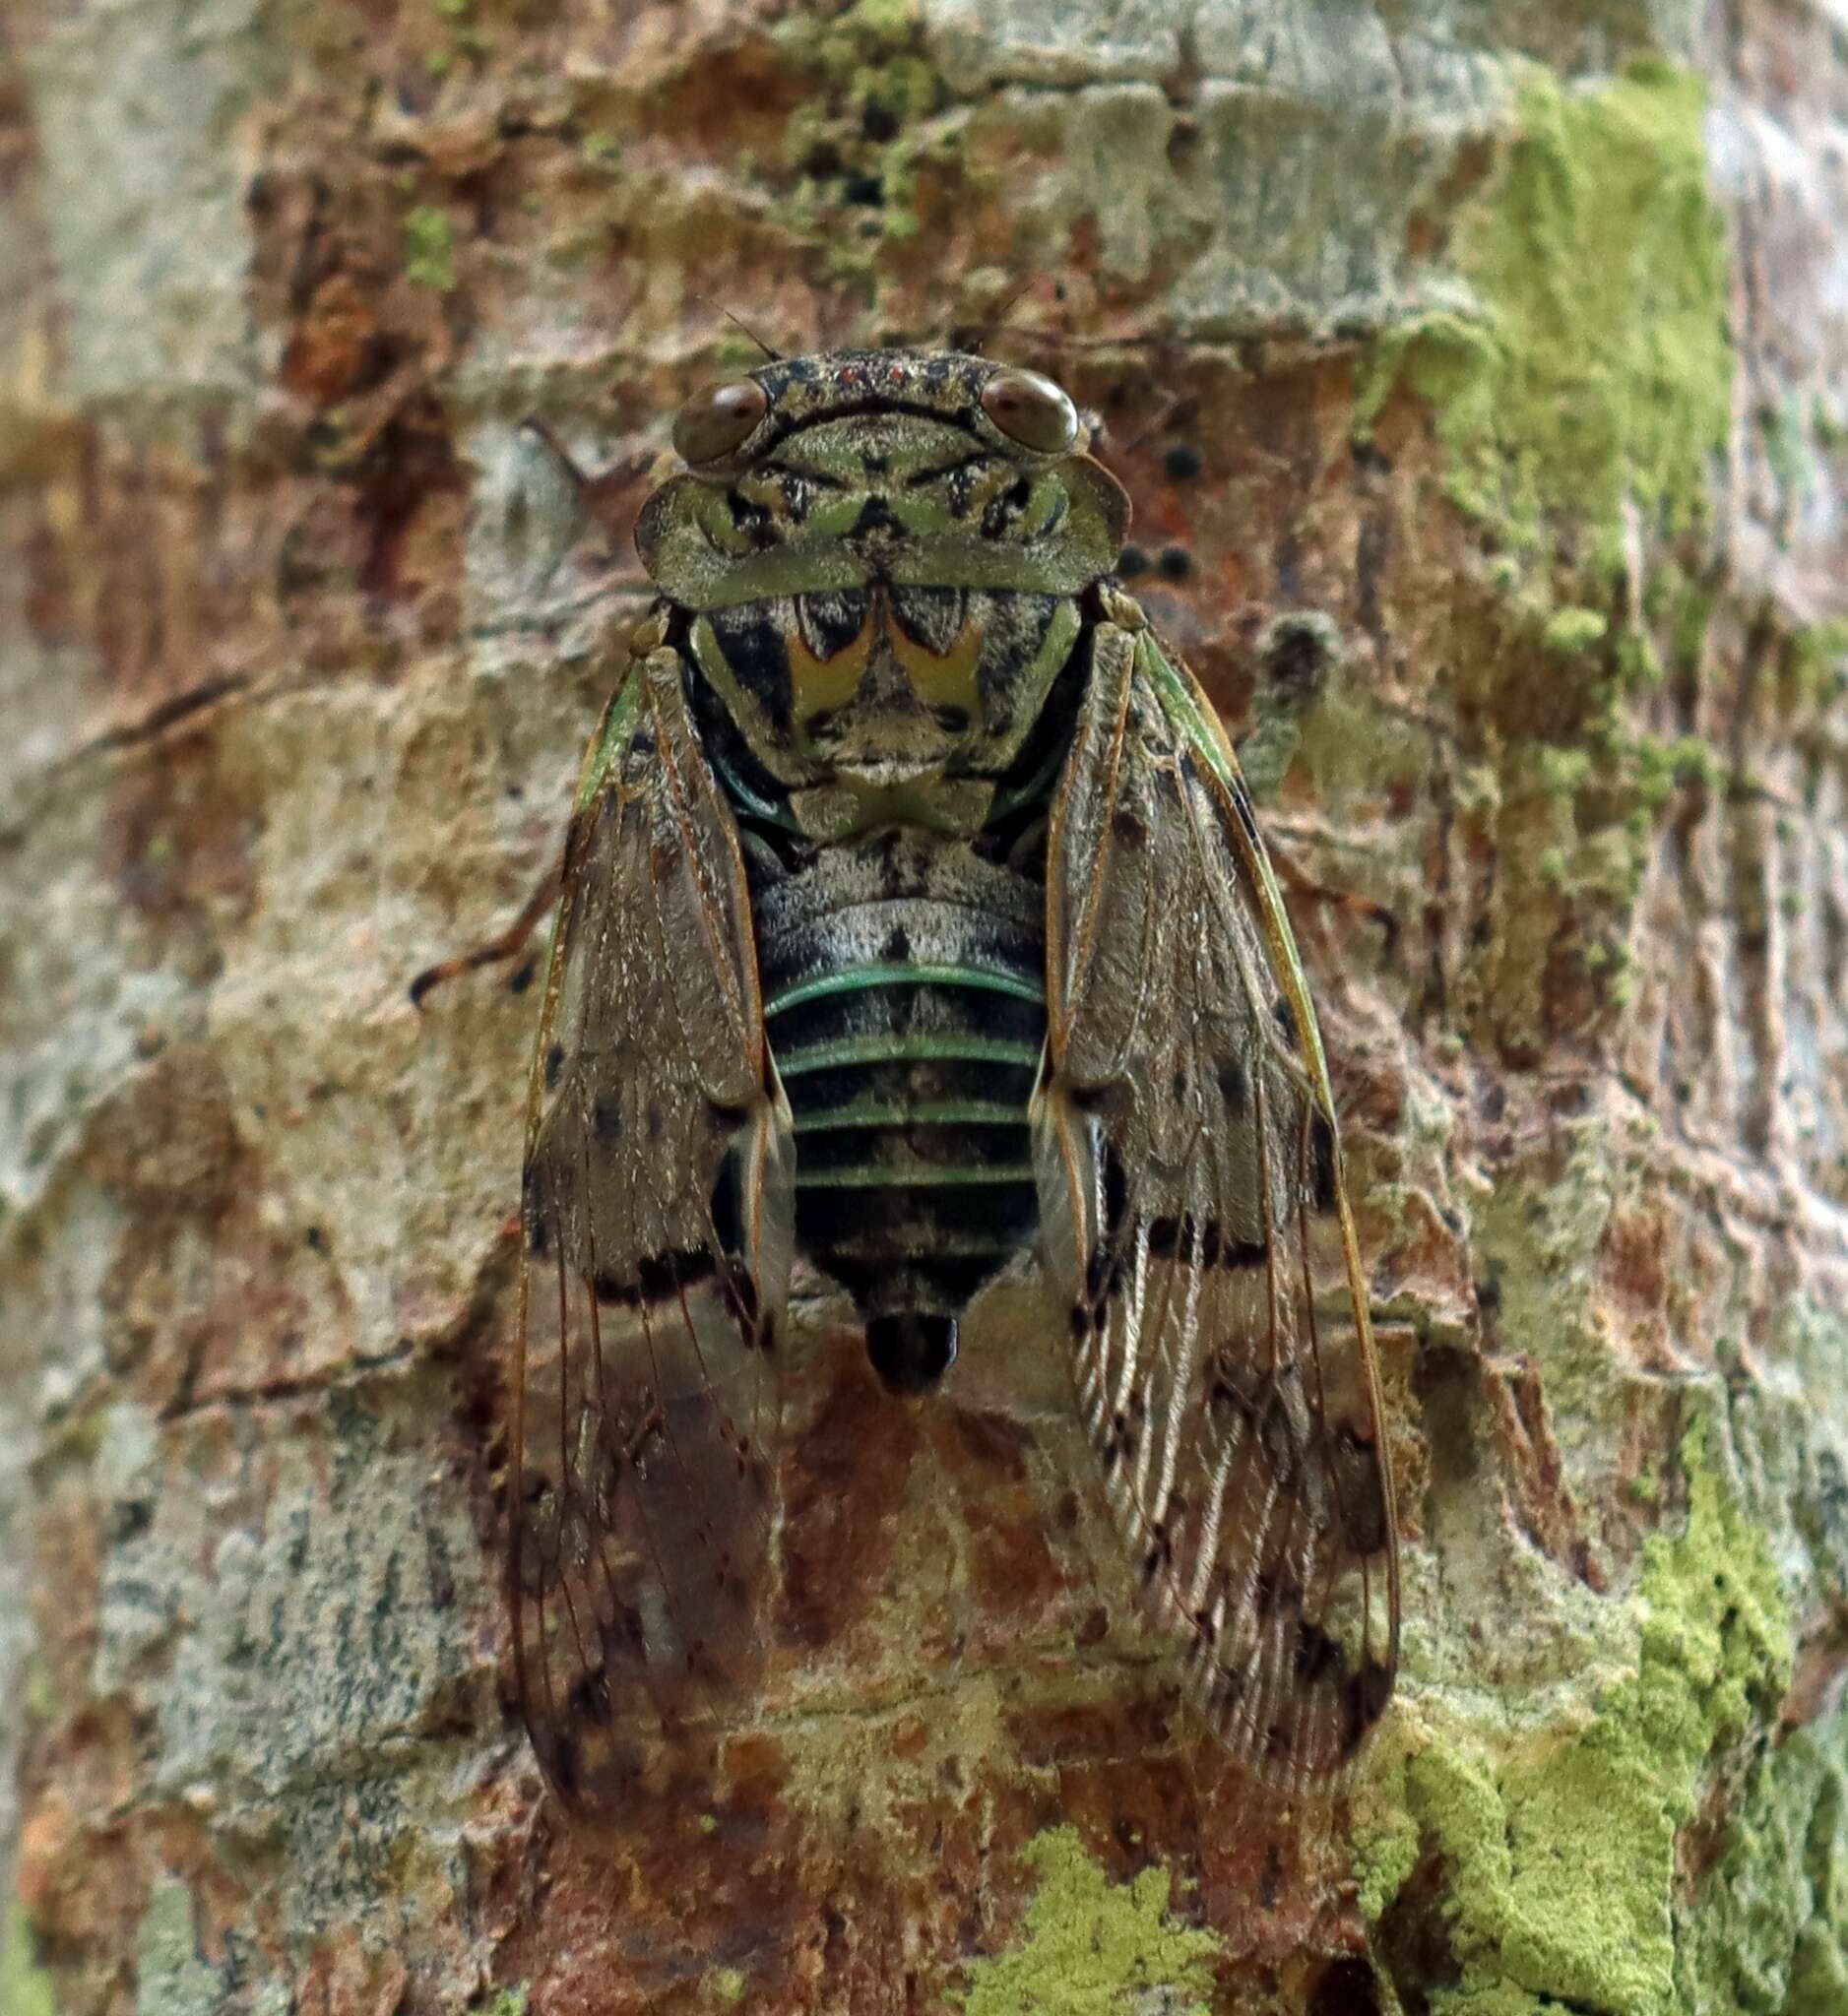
171 1979
1767 1933
1596 372
1561 1847
1092 1946
855 145
429 249
25 1986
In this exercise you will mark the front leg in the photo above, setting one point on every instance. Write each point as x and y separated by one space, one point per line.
504 946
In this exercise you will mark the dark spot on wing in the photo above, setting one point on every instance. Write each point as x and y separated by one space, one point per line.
565 1762
607 1118
1235 1086
554 1066
656 1278
1160 1556
1186 1240
1285 1017
1318 1655
589 1698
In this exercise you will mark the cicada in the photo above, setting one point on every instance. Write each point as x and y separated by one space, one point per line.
914 921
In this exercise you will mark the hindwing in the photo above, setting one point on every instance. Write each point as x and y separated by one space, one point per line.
1196 1225
657 1210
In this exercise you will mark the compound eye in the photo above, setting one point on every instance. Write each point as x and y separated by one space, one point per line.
1032 411
718 419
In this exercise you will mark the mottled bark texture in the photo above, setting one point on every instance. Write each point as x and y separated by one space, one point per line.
1478 373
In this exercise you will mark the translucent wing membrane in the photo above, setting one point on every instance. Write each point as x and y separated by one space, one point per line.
1194 1220
658 1213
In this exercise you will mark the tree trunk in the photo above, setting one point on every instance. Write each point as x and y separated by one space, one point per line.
1479 377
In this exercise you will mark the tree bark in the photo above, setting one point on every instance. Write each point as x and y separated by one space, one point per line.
1479 375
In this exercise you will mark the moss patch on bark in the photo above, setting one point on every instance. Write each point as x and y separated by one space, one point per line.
25 1986
1596 372
1559 1855
1092 1944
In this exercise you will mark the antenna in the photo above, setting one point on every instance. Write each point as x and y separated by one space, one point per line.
775 356
999 320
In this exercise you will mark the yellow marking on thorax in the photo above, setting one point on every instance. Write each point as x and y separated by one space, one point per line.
946 682
820 686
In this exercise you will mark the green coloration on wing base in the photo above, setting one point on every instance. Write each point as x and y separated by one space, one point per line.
1599 370
508 2002
617 726
1092 1947
1561 1854
25 1986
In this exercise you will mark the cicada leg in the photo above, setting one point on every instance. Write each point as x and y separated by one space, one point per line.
504 946
1305 886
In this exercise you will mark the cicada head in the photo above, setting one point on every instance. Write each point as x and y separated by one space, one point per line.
909 468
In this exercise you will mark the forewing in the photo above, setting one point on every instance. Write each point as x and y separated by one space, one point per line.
657 1211
1195 1218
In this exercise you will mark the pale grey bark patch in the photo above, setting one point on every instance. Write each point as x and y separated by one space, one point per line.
140 116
